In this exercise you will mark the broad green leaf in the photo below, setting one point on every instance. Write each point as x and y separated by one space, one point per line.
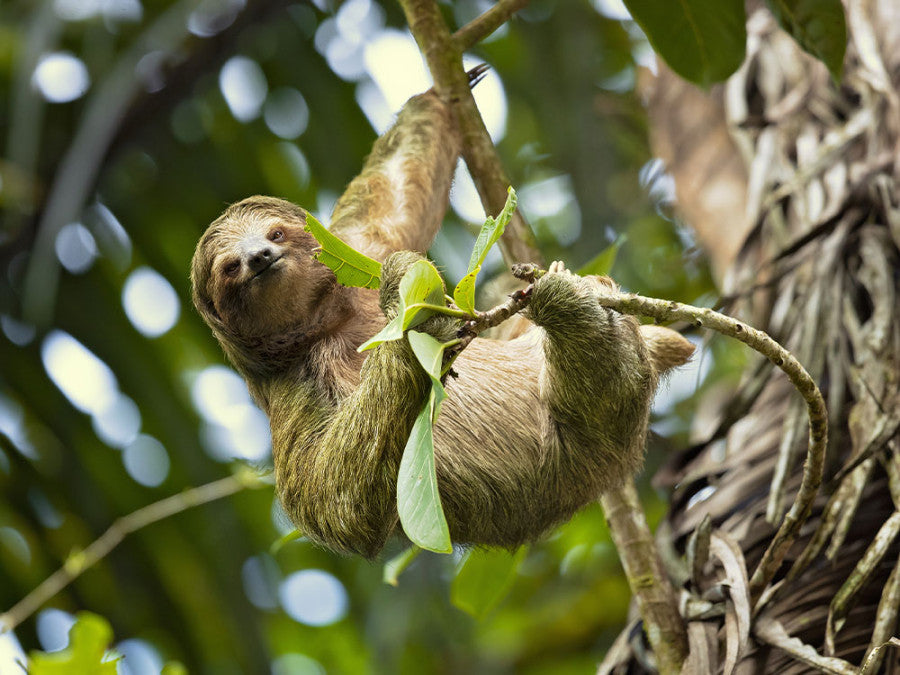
421 284
394 567
484 577
393 331
464 293
430 354
603 262
281 542
704 41
89 640
418 500
491 231
351 267
174 668
818 26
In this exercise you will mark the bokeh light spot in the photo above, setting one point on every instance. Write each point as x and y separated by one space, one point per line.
61 77
313 597
151 303
146 461
86 381
12 541
244 87
286 113
118 424
53 629
76 248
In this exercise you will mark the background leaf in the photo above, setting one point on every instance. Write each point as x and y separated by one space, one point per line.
484 578
704 41
603 263
89 640
351 267
819 26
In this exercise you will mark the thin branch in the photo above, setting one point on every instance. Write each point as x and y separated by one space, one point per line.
79 562
813 467
646 576
480 27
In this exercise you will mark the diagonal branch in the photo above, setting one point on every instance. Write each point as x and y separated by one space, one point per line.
443 53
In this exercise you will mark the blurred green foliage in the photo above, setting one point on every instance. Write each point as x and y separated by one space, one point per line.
144 158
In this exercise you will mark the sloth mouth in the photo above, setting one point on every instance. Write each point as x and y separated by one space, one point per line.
272 264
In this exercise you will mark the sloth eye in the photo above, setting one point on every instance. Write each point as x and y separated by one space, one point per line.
232 268
276 235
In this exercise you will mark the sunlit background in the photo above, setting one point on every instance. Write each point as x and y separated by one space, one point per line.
128 126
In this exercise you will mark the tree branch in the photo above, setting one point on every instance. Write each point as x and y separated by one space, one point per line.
479 28
444 58
80 562
647 578
813 466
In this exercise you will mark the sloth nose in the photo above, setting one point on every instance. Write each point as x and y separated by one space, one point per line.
261 259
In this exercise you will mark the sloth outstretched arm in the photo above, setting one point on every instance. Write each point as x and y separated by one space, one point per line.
398 200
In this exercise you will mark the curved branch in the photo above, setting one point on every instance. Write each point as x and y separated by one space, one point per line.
813 467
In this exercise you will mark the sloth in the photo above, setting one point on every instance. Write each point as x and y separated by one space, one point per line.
533 429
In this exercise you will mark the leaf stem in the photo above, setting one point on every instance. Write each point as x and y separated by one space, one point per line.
440 309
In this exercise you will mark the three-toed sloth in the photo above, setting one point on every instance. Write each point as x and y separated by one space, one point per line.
533 428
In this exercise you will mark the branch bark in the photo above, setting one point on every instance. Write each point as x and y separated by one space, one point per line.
647 578
443 54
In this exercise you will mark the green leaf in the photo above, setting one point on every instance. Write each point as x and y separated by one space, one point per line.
394 567
818 26
483 579
491 231
174 668
704 41
351 267
418 498
420 284
464 293
393 331
87 654
603 262
430 354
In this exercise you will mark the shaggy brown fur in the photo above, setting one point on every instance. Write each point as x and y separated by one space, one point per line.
533 429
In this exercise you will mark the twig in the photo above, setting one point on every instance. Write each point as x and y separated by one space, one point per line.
646 577
813 466
480 27
79 562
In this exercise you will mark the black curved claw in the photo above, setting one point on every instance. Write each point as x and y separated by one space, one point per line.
477 74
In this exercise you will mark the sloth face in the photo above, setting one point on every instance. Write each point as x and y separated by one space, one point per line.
254 270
